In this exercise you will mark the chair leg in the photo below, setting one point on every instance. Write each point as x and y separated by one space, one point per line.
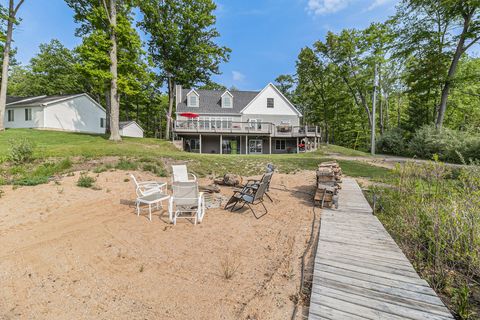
232 200
254 214
138 208
268 196
150 212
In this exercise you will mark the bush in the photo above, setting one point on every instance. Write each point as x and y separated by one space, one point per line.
156 169
428 141
85 181
392 142
435 220
125 164
21 151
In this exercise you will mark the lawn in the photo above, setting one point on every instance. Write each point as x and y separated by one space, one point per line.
55 149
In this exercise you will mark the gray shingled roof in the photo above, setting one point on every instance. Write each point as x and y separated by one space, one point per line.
211 101
22 102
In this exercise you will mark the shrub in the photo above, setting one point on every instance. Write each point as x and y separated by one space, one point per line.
158 170
435 220
428 141
392 142
85 181
21 151
125 164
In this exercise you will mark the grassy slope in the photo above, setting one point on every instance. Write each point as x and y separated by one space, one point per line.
50 144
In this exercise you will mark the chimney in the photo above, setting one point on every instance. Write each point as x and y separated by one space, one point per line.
178 94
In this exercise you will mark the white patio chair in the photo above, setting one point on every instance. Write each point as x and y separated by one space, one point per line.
180 174
186 202
144 188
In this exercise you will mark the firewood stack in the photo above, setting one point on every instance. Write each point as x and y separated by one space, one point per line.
329 177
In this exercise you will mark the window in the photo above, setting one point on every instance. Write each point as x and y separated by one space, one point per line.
102 122
270 102
227 102
28 114
280 144
193 100
10 115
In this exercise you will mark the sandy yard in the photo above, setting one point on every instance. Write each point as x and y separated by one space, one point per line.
74 253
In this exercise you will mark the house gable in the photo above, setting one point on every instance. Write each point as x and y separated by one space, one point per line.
281 105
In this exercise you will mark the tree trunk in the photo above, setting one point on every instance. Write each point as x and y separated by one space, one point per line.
452 71
170 107
114 98
5 65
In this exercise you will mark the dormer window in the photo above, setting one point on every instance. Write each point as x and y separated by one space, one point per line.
227 100
270 102
192 99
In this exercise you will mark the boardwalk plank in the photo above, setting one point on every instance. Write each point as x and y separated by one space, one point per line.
361 273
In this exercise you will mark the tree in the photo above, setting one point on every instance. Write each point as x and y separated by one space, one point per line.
286 84
211 85
459 33
97 17
11 18
181 42
52 71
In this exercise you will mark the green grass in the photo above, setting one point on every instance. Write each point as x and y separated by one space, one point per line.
149 154
330 148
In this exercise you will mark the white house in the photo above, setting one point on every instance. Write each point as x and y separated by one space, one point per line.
76 113
241 122
130 129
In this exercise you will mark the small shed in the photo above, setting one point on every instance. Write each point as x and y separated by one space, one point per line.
130 129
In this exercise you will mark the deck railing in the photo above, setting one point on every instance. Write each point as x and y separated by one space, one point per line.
234 127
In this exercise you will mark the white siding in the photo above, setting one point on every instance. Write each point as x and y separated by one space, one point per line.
79 114
19 118
259 104
132 130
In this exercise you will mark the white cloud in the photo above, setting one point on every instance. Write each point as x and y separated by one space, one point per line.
378 3
320 7
238 76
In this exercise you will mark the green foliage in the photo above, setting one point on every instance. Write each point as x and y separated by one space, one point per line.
125 164
85 181
34 175
435 220
155 168
392 142
447 144
21 151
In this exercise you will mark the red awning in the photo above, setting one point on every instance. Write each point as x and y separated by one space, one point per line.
189 115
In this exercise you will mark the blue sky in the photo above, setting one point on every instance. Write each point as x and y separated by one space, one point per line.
265 35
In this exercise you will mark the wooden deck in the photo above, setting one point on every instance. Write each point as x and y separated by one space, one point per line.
361 273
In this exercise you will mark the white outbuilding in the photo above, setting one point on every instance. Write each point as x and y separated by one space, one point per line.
130 129
75 113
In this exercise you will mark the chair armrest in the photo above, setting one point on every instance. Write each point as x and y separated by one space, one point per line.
194 176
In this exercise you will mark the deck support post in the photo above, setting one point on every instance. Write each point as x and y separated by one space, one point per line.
298 147
221 144
270 144
246 144
200 143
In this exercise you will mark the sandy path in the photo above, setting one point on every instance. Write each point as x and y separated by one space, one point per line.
69 253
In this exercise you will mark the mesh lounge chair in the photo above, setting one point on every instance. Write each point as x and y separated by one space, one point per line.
181 174
250 195
268 178
186 202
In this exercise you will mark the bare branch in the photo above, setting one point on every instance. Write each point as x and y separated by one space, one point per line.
107 13
17 7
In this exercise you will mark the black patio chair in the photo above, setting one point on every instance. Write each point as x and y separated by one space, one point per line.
254 183
250 195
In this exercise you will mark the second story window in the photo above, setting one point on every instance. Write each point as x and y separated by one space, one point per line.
227 102
270 102
10 115
193 100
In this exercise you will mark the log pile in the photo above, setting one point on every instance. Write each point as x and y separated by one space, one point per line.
329 177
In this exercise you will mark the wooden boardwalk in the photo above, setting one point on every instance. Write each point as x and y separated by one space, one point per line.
361 273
